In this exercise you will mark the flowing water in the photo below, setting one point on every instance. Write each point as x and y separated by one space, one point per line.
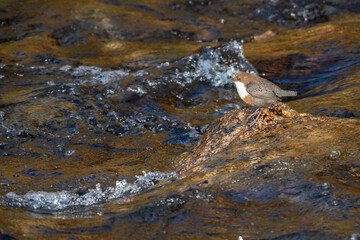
99 100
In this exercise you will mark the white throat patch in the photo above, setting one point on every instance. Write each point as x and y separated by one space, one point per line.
241 89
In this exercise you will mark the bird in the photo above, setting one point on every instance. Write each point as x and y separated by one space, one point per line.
259 92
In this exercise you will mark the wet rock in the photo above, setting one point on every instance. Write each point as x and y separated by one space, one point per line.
182 136
206 34
193 5
35 174
127 97
19 54
180 34
48 59
91 121
3 145
197 4
78 32
2 115
279 126
5 22
115 129
210 33
25 133
334 154
290 13
69 153
6 236
264 36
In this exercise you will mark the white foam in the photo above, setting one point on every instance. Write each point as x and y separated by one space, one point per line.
96 75
55 201
215 66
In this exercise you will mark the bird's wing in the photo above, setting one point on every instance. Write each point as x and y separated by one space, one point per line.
260 91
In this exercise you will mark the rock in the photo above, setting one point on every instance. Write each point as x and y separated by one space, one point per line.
268 35
279 131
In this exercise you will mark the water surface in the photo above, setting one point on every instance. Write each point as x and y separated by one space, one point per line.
100 100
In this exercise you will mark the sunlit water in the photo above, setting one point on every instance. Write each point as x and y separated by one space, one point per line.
99 100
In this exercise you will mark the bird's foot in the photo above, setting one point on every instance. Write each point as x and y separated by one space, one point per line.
257 113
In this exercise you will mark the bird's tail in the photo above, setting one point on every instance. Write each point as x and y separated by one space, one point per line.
291 93
284 93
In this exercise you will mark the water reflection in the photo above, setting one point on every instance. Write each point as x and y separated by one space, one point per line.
99 100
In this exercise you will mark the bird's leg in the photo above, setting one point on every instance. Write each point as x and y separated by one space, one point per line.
251 115
258 112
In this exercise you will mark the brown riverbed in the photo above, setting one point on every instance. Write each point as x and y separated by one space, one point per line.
114 118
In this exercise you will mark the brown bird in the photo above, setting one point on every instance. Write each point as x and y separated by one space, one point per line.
259 92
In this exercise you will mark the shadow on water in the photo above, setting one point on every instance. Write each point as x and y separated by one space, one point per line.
99 102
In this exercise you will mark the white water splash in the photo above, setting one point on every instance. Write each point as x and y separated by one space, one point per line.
96 75
56 201
214 65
